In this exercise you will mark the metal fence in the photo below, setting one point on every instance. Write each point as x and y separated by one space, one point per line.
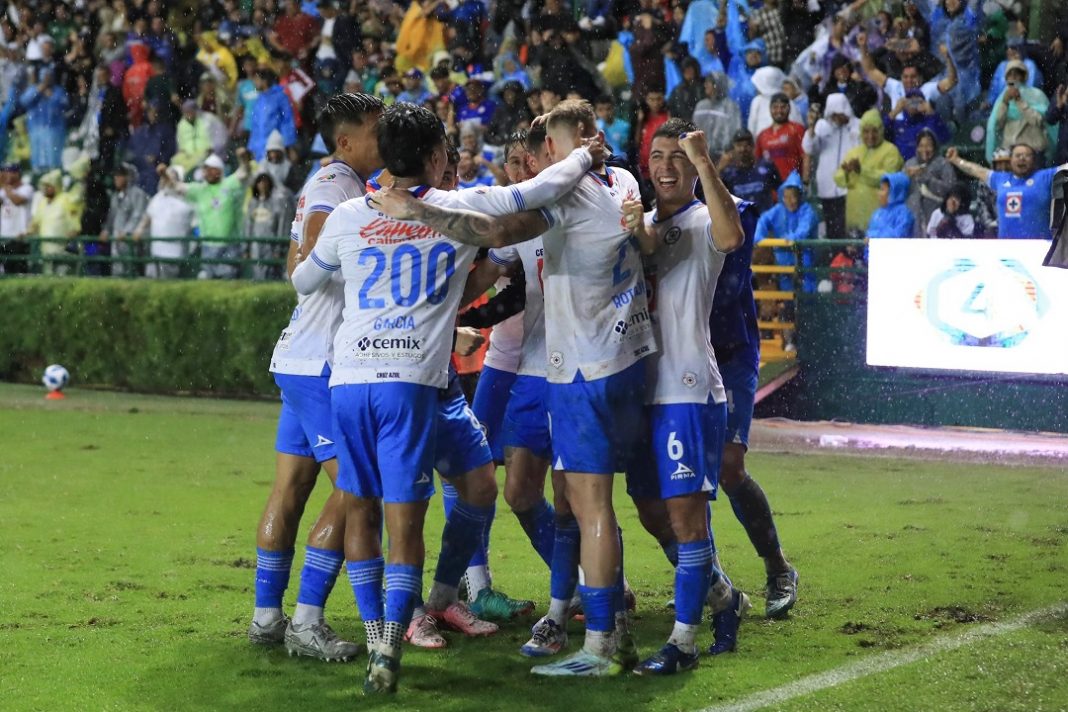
259 258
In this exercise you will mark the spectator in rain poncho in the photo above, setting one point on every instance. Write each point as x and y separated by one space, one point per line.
717 114
768 82
957 24
1013 53
168 215
893 218
1019 115
269 213
743 65
135 80
272 112
791 219
952 219
128 203
45 102
277 164
863 168
931 177
508 68
55 215
828 140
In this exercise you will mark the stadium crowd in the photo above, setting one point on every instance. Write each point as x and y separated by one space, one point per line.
131 119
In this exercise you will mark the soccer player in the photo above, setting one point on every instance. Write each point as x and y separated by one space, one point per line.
597 330
685 243
736 342
402 289
305 441
527 444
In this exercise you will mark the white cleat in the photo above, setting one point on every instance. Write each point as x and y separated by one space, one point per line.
546 638
318 640
273 633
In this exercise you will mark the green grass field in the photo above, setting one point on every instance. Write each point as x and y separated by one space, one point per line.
127 565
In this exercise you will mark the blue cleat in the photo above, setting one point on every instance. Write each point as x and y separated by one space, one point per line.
667 661
725 624
781 594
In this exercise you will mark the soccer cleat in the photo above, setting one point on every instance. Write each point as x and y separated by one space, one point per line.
667 661
546 638
318 640
495 606
580 664
627 651
781 594
459 617
423 633
670 605
725 624
273 633
383 669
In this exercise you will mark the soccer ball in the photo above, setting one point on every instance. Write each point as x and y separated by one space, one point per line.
55 377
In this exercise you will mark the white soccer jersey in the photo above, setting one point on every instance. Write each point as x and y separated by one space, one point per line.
306 345
532 254
596 316
403 283
682 277
506 340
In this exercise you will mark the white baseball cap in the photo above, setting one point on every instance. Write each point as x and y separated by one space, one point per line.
214 161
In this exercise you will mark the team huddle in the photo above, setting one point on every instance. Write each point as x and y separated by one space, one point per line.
626 342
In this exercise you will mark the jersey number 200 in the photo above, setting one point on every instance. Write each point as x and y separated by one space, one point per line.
408 260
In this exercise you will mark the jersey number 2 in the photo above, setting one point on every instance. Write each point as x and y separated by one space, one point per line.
407 259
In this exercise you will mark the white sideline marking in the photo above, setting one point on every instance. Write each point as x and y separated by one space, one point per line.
885 661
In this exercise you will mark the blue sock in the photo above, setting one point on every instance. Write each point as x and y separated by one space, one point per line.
460 539
539 523
404 588
449 498
272 577
692 579
481 556
318 575
563 572
366 579
599 606
671 551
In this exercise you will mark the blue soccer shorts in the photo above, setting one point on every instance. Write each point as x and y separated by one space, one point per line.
490 403
526 421
305 424
460 444
596 424
740 375
385 440
682 451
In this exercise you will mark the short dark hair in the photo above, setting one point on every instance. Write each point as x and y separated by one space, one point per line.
536 137
604 99
347 108
516 139
439 73
674 128
406 136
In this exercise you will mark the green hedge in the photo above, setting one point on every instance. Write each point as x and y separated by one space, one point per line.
144 335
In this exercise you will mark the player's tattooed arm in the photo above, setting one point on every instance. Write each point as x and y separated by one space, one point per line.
464 226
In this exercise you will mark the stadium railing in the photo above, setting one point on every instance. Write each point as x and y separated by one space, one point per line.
73 259
777 307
